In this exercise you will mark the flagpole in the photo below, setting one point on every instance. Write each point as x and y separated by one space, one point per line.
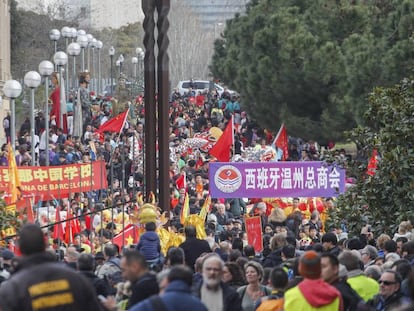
232 135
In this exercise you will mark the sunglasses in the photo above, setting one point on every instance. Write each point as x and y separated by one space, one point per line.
386 283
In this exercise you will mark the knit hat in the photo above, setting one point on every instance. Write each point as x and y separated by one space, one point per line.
310 265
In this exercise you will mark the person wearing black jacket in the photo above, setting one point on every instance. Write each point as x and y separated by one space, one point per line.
40 283
330 274
193 247
85 266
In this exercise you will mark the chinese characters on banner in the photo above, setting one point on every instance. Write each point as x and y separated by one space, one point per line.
275 179
57 181
254 233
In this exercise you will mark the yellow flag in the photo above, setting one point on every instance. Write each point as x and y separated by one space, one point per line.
185 210
14 181
205 208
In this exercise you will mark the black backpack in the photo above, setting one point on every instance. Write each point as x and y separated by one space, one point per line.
116 277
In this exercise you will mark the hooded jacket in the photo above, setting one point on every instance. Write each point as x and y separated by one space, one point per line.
149 245
40 283
313 295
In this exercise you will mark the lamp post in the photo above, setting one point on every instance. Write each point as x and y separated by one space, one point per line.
134 61
141 55
99 46
74 50
73 34
54 35
83 42
46 68
121 61
32 80
12 89
81 32
111 55
90 38
92 69
118 64
61 59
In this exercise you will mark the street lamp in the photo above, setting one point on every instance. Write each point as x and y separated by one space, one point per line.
81 32
83 42
73 33
111 55
134 61
141 55
12 89
92 69
74 50
90 38
46 68
61 59
118 64
121 61
32 80
54 35
99 46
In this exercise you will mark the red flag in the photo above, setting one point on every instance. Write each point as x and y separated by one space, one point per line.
58 228
372 164
221 149
254 232
72 227
281 142
130 234
114 125
181 181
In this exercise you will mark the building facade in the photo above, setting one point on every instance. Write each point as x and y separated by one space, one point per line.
4 59
214 13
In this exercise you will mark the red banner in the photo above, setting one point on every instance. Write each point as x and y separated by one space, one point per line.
57 181
254 233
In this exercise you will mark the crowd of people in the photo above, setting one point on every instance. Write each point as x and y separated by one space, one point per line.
303 264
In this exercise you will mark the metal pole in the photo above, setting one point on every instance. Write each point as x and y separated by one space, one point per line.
13 124
32 127
99 72
150 109
89 59
67 75
55 52
62 95
93 88
47 118
112 76
163 7
74 74
83 60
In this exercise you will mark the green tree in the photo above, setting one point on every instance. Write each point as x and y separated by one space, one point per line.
310 64
384 199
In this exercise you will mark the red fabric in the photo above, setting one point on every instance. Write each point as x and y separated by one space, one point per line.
72 227
221 149
199 100
129 231
254 232
55 111
114 125
372 164
181 181
318 293
281 141
58 228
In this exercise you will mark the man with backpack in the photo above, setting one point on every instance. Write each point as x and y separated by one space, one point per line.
274 302
111 269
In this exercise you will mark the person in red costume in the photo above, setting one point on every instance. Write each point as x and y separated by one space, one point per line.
55 99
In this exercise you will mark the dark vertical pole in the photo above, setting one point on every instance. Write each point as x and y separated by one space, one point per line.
148 6
112 76
163 7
